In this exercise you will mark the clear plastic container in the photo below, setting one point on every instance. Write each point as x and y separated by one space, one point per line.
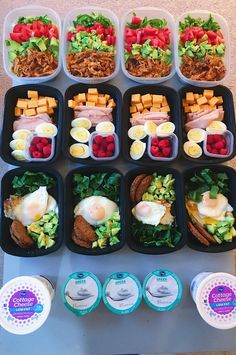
10 21
68 22
42 160
229 144
225 31
117 146
174 145
150 12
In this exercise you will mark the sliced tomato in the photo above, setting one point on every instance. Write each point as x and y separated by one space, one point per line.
130 39
80 28
129 31
70 35
136 20
18 27
100 30
150 31
16 37
211 34
111 30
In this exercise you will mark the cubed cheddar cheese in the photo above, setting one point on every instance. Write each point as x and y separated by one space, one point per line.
146 99
42 102
156 105
107 97
135 99
30 112
139 107
202 101
145 111
90 103
220 107
22 104
136 114
184 103
165 109
42 109
50 110
196 96
194 108
208 93
71 103
101 105
82 97
157 99
102 100
187 109
220 100
164 101
213 101
93 91
32 94
154 109
132 109
33 103
147 104
111 103
51 102
17 111
190 98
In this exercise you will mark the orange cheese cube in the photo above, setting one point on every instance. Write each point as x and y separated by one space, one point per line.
139 107
30 112
93 91
135 99
132 109
42 109
22 104
32 94
17 111
202 100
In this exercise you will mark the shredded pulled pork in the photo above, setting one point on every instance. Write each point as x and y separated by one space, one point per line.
146 67
34 64
212 68
91 63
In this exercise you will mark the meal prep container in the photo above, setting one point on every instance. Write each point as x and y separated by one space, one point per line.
8 118
174 103
69 116
6 242
10 21
177 210
192 242
71 202
68 22
229 120
227 57
150 12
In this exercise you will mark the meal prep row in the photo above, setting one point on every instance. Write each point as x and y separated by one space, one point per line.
149 44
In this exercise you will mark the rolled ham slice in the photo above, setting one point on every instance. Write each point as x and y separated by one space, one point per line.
157 117
94 114
31 122
205 120
195 115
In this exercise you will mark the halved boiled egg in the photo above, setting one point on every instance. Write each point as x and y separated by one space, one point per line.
105 127
19 155
80 134
192 149
165 129
18 144
137 149
22 134
47 130
216 126
196 135
83 122
137 132
79 150
150 128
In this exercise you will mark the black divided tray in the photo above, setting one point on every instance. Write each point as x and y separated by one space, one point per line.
8 118
71 201
177 210
229 120
174 103
6 242
69 116
192 242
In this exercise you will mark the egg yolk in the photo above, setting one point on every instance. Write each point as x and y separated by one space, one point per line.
97 212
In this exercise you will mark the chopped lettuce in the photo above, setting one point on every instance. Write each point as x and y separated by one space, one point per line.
89 20
45 19
208 24
156 23
30 182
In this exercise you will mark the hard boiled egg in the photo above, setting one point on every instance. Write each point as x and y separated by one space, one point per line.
79 150
149 212
150 128
22 134
47 130
96 210
196 135
105 127
83 122
214 207
137 149
137 132
165 129
80 134
192 149
216 126
18 144
19 155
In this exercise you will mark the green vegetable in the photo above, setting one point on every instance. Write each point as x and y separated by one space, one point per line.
161 235
108 233
30 182
199 51
45 19
89 20
99 184
88 41
43 232
157 23
206 180
148 51
208 24
161 188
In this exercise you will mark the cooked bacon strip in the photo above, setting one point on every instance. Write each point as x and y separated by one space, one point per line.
198 235
146 67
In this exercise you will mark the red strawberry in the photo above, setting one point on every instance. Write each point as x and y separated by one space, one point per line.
111 147
110 139
36 140
98 139
37 155
164 143
155 141
166 151
40 147
44 141
155 151
224 151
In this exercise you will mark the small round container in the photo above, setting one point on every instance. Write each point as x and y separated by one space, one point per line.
117 146
122 293
225 31
215 298
150 12
10 21
162 290
229 144
174 145
68 22
82 292
25 303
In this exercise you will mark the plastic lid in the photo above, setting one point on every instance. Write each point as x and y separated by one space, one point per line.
122 293
82 292
25 303
162 290
216 300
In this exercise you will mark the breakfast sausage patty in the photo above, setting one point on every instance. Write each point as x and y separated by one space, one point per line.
135 185
142 188
83 230
83 243
19 235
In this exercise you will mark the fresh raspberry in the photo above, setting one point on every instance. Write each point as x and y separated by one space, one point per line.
104 146
224 151
98 139
155 151
111 147
110 139
32 148
36 140
166 151
40 147
109 154
214 151
44 141
217 137
37 154
47 149
164 143
210 139
155 141
219 145
101 154
95 147
209 148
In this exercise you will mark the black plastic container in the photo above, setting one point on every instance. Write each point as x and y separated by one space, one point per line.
229 120
174 103
8 118
177 210
6 242
192 242
71 202
69 116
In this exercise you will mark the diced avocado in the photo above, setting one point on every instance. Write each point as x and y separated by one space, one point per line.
41 242
230 220
47 227
228 237
102 243
114 240
99 234
116 216
54 42
41 44
218 240
49 243
222 230
95 244
35 228
233 231
12 56
210 228
15 46
152 189
115 231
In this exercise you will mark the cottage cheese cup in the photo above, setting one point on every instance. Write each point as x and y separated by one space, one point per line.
215 298
82 292
162 290
122 293
25 303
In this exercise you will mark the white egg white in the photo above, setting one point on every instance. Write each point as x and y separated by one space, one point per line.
149 212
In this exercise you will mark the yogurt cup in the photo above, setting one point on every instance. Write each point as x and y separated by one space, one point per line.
25 303
162 290
82 292
215 298
122 293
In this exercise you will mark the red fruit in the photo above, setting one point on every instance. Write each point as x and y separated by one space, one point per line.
136 20
217 137
109 154
210 139
98 139
155 141
111 147
47 150
32 148
209 148
95 147
101 154
155 151
224 151
37 155
219 145
166 151
40 147
35 140
164 143
44 141
103 145
214 151
110 139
